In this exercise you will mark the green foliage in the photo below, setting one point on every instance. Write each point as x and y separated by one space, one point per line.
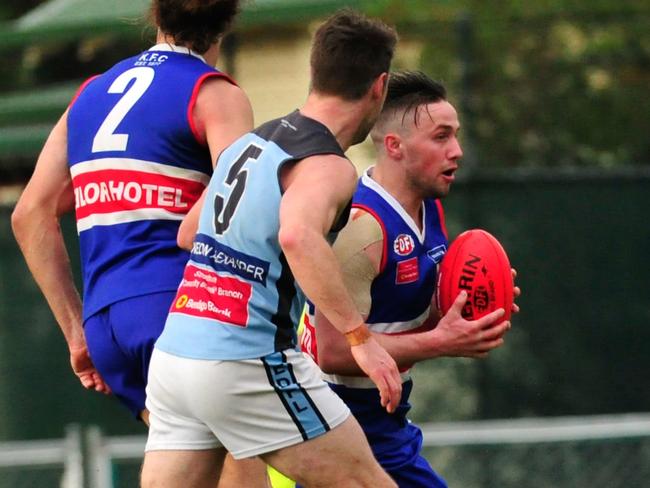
554 83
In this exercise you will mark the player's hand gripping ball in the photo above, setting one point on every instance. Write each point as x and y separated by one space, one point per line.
477 263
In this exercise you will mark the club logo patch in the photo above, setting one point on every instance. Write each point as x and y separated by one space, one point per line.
403 245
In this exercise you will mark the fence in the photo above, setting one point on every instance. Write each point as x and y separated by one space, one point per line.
573 452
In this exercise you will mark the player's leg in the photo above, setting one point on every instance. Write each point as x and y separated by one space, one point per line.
182 469
250 473
113 364
280 400
181 450
341 457
417 474
395 441
120 341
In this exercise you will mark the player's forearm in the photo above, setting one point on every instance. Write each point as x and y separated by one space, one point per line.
317 271
39 236
406 350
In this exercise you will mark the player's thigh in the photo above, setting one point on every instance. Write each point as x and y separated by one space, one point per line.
250 473
120 340
255 406
182 469
341 457
137 323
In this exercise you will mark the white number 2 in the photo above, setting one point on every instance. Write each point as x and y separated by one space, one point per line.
106 139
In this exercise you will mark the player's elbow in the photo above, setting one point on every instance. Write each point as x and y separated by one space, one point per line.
335 361
21 217
185 238
328 364
293 238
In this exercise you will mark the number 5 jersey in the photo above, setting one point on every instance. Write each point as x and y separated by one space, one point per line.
238 298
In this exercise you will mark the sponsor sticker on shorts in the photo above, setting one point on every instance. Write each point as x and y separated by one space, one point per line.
206 294
407 271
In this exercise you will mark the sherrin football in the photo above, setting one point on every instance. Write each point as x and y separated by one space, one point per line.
477 263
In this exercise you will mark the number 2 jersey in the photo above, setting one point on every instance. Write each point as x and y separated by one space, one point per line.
238 298
138 165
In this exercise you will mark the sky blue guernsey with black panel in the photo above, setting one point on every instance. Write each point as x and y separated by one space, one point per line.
238 298
137 165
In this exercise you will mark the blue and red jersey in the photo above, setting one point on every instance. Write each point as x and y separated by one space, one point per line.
138 164
402 290
400 304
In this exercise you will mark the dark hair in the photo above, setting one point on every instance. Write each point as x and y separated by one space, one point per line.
349 52
196 24
409 90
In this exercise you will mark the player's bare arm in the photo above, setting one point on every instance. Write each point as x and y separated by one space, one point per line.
306 216
358 249
35 222
221 115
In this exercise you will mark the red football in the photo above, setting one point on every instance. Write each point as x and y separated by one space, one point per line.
477 263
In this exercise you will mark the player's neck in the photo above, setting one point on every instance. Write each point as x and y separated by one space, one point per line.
392 180
211 55
341 117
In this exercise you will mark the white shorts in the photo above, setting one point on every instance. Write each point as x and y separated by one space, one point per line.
250 406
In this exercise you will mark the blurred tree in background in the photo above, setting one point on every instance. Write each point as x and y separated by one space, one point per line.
550 83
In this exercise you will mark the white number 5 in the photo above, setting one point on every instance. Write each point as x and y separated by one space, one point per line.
106 139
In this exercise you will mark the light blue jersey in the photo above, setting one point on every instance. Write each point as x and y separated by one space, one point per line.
238 298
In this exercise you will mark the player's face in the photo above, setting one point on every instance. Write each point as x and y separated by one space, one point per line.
431 149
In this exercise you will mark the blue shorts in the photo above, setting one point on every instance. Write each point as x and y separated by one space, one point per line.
395 441
120 340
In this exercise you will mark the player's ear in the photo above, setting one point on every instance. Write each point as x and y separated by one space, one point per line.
393 145
379 86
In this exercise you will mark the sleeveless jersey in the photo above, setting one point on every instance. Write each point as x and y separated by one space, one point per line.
401 292
137 167
400 302
238 298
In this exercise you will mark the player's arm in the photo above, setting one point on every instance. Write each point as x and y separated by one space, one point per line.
35 222
222 114
316 191
360 252
453 337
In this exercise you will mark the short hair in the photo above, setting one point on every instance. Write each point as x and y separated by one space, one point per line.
349 52
196 24
410 90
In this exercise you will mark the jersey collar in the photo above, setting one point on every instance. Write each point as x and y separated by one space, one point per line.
164 46
408 220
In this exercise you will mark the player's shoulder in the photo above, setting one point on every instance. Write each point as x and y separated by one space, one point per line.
222 89
363 225
221 99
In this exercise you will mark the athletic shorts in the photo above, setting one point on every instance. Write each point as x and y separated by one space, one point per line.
394 440
120 340
250 406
